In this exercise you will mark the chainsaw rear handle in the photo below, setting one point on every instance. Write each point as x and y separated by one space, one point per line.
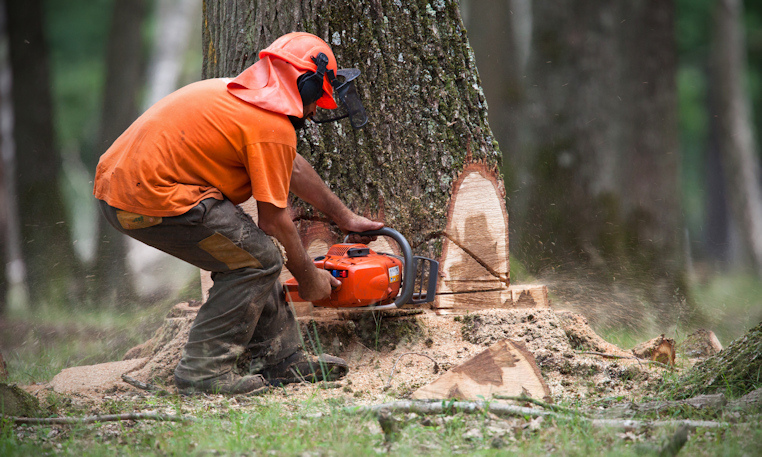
408 274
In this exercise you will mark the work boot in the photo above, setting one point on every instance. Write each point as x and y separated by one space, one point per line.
302 367
226 384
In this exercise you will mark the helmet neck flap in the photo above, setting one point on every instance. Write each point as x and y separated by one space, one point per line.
295 70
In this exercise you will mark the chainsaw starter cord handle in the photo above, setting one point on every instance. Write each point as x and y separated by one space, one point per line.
408 273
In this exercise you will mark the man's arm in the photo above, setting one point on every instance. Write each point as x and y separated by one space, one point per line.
314 284
307 185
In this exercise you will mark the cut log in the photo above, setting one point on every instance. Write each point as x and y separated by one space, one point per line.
659 349
701 344
505 369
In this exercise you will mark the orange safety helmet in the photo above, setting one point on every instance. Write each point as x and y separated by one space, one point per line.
271 83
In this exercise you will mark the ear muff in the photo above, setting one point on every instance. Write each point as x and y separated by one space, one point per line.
310 84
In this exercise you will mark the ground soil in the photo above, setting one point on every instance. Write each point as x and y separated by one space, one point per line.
392 355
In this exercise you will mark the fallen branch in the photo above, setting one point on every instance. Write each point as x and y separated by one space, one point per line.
143 385
501 410
389 382
614 356
97 418
528 399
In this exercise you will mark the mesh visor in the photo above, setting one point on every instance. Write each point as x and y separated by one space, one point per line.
349 104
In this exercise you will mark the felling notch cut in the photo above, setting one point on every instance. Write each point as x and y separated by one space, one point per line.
474 267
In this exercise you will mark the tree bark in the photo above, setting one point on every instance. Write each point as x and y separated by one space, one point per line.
427 128
604 157
111 277
47 248
735 131
6 155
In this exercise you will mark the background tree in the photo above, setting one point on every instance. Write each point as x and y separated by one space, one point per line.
734 127
52 267
6 148
124 76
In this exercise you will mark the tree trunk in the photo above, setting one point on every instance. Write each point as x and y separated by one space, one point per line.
604 159
427 139
735 129
6 153
47 248
124 70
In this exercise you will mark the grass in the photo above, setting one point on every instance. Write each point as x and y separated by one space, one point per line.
731 302
36 347
279 426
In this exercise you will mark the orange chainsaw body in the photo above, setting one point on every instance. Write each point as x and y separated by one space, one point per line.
367 278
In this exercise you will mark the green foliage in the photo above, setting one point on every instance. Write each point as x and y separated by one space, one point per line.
36 348
77 34
732 303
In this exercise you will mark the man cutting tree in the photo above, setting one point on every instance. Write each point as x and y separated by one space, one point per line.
173 179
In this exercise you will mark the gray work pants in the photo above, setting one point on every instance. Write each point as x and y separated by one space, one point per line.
246 308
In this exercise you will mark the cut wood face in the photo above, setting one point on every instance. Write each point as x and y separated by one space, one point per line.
475 248
505 369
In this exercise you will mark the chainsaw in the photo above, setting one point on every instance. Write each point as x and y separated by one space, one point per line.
374 281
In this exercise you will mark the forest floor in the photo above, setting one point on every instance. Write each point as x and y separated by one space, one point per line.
390 358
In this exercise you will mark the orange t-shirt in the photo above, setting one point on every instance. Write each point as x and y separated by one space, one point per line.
198 142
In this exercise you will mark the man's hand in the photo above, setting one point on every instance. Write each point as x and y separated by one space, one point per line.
357 223
314 284
318 286
307 185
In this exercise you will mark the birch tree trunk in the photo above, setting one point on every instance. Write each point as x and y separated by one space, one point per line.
735 133
427 137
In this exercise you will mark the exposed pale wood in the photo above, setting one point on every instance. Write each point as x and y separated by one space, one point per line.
475 246
660 349
505 369
530 296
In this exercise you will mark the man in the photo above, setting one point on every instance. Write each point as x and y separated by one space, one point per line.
173 179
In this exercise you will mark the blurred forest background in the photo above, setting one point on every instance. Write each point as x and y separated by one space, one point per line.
629 133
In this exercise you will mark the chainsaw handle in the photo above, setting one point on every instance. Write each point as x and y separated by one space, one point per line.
408 274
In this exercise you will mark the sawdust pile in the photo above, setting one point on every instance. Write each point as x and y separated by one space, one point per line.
393 355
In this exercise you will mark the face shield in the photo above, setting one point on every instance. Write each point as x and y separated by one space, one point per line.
349 101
